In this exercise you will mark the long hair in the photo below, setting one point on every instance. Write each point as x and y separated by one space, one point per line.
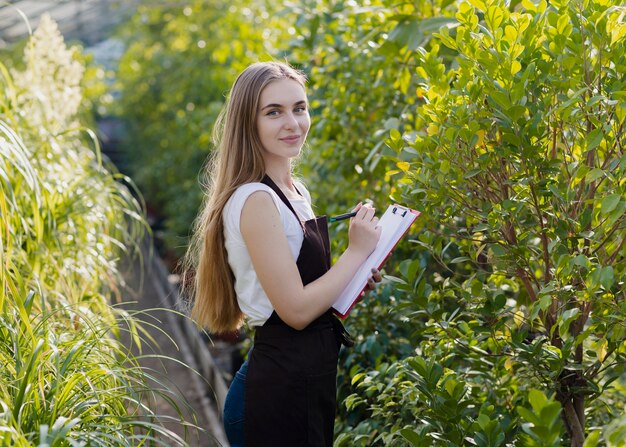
207 277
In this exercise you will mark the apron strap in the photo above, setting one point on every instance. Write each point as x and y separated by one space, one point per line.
269 182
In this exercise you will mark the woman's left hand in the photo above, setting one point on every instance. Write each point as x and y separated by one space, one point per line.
375 278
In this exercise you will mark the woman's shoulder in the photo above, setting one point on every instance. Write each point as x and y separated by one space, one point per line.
241 194
234 206
249 188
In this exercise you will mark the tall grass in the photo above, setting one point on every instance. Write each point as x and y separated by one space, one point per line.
65 222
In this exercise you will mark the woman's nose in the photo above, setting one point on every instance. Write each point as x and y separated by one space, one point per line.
291 121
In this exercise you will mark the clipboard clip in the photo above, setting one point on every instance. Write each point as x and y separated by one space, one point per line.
395 208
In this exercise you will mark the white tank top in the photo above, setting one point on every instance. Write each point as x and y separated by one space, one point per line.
251 297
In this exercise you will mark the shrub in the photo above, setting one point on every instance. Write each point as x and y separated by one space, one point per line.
65 220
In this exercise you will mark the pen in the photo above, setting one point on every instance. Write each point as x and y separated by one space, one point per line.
342 217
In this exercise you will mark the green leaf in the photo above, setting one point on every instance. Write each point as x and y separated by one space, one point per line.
566 319
609 203
595 99
594 174
551 413
483 421
480 227
545 302
619 210
572 99
593 438
414 33
444 37
395 135
604 276
562 23
357 377
480 440
497 249
511 33
411 436
409 268
419 365
494 17
594 139
516 112
472 172
478 4
431 24
537 399
528 415
581 260
607 277
435 373
500 98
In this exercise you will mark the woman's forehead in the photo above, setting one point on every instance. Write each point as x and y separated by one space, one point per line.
282 92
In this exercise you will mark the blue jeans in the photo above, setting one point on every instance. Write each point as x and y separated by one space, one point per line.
234 408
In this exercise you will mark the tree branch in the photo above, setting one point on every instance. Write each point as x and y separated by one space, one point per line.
572 423
543 235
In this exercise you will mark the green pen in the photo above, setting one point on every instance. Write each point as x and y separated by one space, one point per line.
342 217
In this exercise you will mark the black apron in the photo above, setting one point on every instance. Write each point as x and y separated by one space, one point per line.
290 394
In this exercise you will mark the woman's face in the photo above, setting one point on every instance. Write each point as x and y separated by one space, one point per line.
283 119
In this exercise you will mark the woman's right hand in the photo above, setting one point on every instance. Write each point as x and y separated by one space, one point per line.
364 233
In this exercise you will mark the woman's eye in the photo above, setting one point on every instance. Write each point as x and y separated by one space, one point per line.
273 113
300 109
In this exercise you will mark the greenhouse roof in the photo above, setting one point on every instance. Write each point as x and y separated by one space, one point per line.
88 21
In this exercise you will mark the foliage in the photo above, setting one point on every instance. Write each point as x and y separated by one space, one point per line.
517 153
543 419
65 219
359 56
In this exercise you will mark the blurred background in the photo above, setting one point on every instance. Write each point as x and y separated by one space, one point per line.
87 21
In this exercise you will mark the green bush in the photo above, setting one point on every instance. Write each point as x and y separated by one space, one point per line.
516 154
65 220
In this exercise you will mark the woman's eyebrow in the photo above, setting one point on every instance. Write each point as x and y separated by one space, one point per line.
274 105
271 106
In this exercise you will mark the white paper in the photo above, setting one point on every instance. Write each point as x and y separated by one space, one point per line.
393 225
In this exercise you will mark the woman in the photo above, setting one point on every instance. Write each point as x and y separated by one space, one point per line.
259 252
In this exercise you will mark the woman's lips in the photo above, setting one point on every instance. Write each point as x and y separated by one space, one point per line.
291 139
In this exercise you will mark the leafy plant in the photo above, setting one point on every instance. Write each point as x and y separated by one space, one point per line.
543 426
518 153
65 220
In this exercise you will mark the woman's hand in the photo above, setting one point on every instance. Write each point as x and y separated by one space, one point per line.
375 278
364 232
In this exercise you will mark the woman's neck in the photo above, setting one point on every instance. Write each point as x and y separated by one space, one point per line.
281 175
279 172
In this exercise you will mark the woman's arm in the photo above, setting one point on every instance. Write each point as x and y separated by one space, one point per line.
295 304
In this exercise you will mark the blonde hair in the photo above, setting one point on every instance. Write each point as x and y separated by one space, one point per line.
207 277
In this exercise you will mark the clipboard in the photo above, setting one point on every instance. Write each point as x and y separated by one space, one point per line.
395 223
